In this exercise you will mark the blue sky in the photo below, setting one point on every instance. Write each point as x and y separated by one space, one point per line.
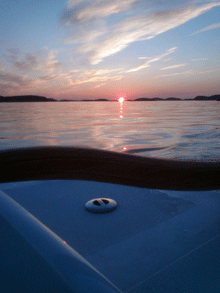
91 49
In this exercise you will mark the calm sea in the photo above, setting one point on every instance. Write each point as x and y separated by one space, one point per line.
187 129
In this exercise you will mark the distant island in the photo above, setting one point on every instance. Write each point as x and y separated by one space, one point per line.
158 99
97 100
34 98
204 98
198 98
28 98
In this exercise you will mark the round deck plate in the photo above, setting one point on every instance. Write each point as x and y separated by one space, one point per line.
101 205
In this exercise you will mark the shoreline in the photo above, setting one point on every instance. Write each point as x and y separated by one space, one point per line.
34 98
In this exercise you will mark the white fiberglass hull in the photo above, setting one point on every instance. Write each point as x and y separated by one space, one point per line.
154 241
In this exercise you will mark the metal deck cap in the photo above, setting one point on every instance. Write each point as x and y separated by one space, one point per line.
101 205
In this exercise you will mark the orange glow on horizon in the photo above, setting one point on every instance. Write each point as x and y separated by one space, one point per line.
121 99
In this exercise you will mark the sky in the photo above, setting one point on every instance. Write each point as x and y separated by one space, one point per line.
92 49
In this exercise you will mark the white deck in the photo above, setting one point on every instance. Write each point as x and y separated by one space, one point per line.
155 241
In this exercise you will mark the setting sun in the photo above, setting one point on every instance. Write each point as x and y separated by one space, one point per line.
121 100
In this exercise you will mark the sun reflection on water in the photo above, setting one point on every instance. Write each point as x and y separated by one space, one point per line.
121 100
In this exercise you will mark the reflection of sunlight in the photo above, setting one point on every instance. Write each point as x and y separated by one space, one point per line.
121 100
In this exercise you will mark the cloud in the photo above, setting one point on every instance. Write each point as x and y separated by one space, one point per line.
143 28
85 35
155 59
86 20
207 28
30 62
27 63
173 66
142 66
94 76
141 58
26 71
191 72
173 74
12 80
200 59
49 77
99 85
49 63
97 79
80 12
168 59
99 34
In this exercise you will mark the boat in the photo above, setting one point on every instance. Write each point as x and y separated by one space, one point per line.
162 235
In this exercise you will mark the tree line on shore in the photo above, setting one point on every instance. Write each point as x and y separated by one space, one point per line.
34 98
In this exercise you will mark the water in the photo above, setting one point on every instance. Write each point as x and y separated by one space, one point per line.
185 129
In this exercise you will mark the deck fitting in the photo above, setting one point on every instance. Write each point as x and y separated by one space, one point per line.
101 205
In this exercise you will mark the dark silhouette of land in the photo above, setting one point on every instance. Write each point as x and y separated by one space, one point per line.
97 100
26 98
204 98
34 98
198 98
147 99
